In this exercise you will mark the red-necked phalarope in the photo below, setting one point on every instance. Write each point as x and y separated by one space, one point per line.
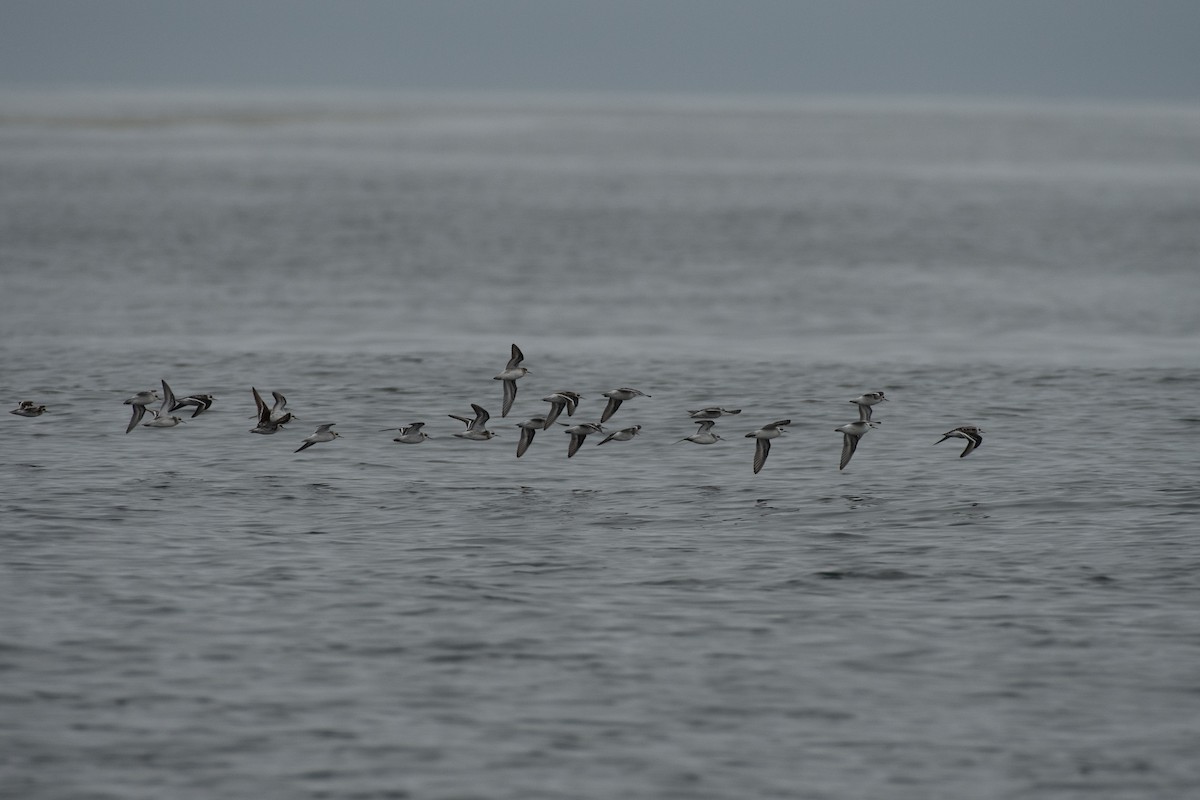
623 435
616 397
969 432
139 402
162 417
162 421
201 402
410 434
852 432
865 402
266 423
712 412
26 408
279 410
476 428
763 437
558 401
704 435
512 371
528 428
321 434
579 433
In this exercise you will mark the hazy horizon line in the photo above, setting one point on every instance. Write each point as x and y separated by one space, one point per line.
848 98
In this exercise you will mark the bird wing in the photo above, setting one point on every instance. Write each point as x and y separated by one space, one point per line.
610 409
525 440
517 357
481 416
849 445
168 398
138 413
260 405
556 408
761 449
510 394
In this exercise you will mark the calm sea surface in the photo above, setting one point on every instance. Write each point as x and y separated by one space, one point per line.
198 612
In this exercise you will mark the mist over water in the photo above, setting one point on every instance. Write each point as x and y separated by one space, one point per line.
200 611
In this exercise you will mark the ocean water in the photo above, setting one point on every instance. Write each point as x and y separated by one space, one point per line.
200 612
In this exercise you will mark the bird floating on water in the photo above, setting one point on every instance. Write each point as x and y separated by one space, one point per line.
26 408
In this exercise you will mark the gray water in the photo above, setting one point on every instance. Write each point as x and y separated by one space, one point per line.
199 612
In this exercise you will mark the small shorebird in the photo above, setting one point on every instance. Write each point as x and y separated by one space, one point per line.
162 421
528 428
969 432
712 412
763 437
865 402
168 399
201 402
321 434
476 428
26 408
852 432
705 433
267 423
512 371
162 417
139 402
279 410
410 434
579 433
616 397
558 401
623 435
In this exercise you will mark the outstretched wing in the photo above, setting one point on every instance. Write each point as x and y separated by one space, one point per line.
510 394
168 398
849 445
264 410
761 449
517 357
525 440
610 409
138 413
481 416
556 408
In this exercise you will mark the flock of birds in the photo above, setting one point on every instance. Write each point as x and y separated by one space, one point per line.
272 418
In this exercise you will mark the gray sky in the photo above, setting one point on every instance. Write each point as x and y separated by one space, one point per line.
1095 49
